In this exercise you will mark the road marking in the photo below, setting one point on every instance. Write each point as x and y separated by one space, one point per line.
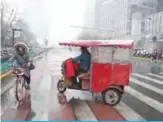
161 73
128 113
56 74
155 89
82 111
155 75
147 78
41 97
149 101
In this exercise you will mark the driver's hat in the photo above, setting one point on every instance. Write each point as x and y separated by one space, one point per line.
21 44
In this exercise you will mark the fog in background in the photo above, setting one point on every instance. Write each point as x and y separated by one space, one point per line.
51 19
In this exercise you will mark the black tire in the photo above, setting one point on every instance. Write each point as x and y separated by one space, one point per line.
16 90
117 92
17 87
58 87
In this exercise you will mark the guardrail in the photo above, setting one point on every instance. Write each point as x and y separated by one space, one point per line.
5 65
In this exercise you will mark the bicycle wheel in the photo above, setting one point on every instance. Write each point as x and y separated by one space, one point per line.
20 91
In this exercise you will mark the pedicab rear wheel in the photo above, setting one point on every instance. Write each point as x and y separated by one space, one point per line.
111 96
60 86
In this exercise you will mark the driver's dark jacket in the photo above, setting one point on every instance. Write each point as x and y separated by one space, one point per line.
84 60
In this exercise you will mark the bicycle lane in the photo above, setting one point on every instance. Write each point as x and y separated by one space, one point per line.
40 87
41 97
23 111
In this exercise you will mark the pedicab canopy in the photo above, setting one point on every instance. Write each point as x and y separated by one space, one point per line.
97 43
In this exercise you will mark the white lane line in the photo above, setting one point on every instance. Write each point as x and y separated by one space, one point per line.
155 75
149 101
128 113
161 73
55 69
83 112
155 89
147 78
56 73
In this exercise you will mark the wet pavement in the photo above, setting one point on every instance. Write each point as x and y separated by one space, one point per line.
44 101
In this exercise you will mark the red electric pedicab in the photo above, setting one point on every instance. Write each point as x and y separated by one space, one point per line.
111 65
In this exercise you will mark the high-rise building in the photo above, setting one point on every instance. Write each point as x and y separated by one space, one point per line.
125 17
89 13
160 5
154 24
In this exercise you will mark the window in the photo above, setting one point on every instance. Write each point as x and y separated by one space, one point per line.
119 54
101 54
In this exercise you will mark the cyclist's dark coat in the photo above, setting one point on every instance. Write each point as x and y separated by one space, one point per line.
21 61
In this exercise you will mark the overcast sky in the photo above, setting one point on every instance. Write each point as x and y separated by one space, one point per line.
51 18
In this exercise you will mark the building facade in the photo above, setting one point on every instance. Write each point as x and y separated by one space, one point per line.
89 13
125 17
154 24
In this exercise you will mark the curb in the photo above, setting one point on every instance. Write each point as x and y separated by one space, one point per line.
5 74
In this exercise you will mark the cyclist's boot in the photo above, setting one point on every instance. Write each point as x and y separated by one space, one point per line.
28 86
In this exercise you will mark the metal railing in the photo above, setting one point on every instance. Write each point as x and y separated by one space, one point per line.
5 67
5 64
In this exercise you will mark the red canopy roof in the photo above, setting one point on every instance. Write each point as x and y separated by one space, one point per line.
87 43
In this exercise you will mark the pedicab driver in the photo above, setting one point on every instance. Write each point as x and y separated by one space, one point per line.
84 60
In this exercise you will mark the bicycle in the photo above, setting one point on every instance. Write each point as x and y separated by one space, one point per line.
21 84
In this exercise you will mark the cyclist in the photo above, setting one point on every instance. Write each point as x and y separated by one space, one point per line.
20 59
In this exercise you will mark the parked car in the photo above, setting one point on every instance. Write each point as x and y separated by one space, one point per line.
142 53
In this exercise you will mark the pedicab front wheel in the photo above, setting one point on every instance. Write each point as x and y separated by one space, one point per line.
111 96
61 87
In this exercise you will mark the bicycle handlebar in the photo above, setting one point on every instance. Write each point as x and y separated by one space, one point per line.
18 71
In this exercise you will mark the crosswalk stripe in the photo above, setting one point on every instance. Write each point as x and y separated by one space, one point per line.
155 75
127 112
82 111
149 79
149 101
155 89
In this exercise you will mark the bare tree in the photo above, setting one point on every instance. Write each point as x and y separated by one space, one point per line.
8 17
9 20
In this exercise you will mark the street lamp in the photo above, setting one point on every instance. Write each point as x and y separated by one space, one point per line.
13 34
